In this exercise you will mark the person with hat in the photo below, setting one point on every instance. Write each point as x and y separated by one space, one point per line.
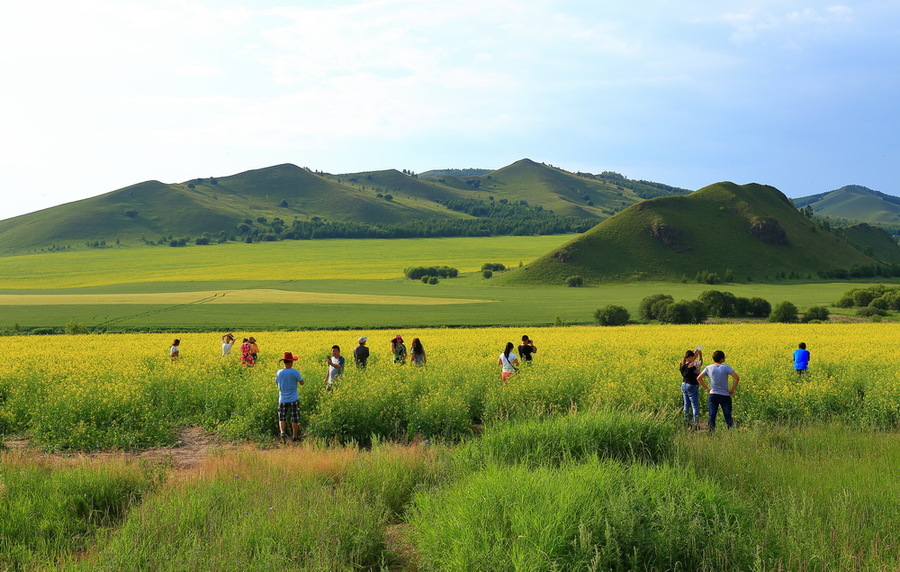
287 379
361 353
398 349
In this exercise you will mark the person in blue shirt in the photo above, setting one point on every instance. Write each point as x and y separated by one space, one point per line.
287 380
801 359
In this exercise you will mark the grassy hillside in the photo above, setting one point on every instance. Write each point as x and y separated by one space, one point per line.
752 230
872 241
261 204
855 203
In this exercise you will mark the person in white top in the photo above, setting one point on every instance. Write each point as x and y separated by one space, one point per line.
508 362
227 343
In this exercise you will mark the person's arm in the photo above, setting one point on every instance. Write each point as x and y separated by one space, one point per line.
700 379
736 378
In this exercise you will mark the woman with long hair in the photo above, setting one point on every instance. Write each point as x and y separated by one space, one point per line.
508 362
416 352
690 387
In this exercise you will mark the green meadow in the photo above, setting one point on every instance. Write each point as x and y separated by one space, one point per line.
320 284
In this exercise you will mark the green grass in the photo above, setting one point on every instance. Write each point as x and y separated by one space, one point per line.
816 497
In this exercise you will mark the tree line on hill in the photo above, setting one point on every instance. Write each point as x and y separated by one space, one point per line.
493 218
710 303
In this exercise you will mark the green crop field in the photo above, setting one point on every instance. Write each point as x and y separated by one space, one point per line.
320 284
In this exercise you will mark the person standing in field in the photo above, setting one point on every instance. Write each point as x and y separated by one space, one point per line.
526 348
719 392
175 351
508 362
690 388
246 356
254 349
801 359
398 349
227 343
417 353
287 378
361 353
335 367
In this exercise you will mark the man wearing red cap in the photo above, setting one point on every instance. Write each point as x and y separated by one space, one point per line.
288 379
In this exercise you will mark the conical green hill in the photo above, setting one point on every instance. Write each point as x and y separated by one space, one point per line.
752 230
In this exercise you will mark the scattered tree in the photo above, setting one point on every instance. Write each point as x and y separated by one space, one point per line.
612 315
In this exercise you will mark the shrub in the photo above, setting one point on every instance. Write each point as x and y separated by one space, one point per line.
720 304
486 273
870 311
645 308
881 303
612 315
76 328
417 272
758 307
684 312
494 266
574 281
820 313
433 280
425 279
784 312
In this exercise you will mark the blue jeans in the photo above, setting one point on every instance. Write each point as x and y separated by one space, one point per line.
714 402
691 400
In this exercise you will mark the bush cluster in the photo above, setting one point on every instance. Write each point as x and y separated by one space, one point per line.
417 272
664 308
879 296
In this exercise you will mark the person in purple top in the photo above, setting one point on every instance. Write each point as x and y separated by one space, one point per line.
801 359
719 392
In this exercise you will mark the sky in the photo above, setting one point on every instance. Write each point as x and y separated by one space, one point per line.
102 94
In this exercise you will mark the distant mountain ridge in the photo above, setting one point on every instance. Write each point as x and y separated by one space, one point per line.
287 201
752 232
854 204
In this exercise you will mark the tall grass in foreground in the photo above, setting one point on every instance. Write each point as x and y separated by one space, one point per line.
600 515
551 441
825 497
299 508
50 510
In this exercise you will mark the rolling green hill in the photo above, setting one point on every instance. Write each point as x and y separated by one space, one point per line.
854 203
752 230
872 241
270 203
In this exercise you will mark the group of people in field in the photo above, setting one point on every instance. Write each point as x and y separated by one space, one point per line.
718 379
719 388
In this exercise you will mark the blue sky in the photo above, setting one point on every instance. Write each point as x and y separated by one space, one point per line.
101 94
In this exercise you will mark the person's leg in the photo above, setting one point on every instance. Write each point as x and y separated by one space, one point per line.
713 409
687 400
694 398
295 420
726 410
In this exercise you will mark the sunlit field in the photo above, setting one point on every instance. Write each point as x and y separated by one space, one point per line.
606 473
122 391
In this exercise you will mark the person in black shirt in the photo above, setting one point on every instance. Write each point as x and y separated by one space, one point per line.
526 349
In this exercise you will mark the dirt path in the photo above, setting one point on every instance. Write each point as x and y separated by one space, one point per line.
191 447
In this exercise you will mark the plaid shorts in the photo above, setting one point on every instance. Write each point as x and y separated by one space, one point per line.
293 407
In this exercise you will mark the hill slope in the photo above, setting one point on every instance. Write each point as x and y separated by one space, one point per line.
854 203
262 204
753 230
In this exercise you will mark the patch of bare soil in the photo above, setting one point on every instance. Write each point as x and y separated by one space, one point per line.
191 446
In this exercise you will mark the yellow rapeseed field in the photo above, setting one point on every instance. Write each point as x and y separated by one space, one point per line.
101 391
